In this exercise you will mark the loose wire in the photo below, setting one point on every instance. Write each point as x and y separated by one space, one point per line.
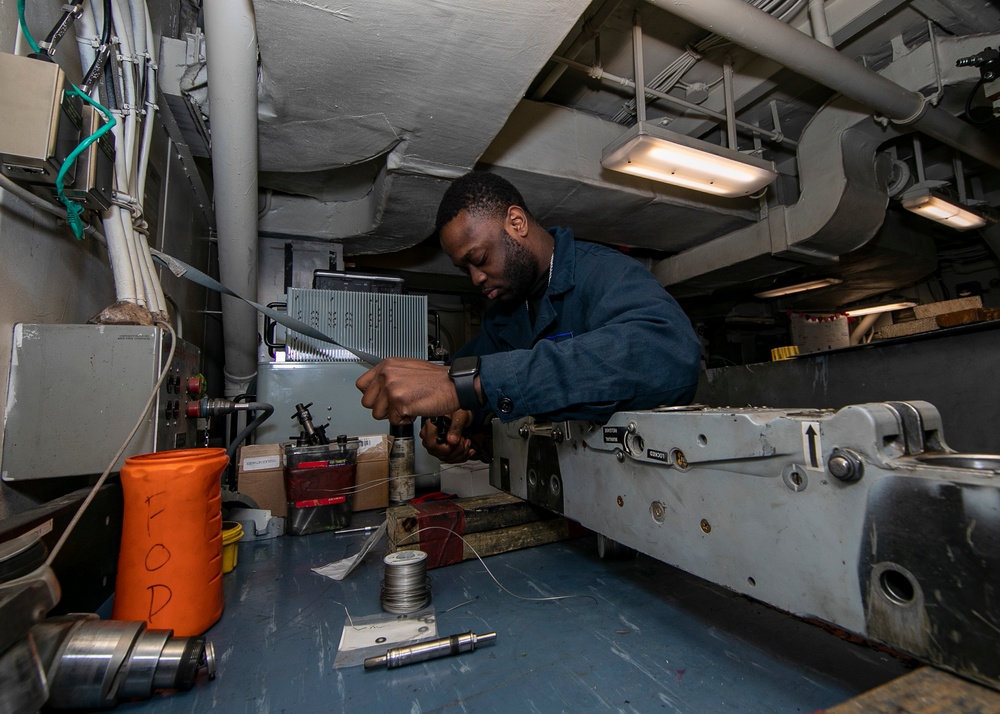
114 459
351 490
551 598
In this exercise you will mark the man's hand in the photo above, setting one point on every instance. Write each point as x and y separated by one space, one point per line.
454 448
400 389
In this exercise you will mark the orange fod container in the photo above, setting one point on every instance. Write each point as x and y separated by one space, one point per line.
170 563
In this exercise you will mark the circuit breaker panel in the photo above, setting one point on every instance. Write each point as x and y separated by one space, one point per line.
76 391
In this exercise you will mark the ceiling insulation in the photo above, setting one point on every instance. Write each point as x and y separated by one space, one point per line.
367 110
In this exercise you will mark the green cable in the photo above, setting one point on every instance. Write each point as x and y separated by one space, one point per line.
24 27
74 210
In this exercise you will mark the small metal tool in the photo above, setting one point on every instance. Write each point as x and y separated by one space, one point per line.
442 423
443 647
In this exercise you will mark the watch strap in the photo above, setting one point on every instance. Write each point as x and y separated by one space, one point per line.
463 373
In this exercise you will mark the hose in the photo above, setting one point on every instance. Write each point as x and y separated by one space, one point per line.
265 409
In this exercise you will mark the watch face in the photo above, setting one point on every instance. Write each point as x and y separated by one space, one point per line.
464 366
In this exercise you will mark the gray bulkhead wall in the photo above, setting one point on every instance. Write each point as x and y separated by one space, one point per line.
47 276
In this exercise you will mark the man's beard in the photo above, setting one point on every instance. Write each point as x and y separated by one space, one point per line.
520 270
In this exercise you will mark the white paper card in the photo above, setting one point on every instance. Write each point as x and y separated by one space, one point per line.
338 570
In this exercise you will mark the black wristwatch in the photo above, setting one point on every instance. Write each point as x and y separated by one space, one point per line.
463 373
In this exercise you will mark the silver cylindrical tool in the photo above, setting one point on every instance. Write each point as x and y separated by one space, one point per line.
443 647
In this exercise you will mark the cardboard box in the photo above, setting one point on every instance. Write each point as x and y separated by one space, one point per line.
260 476
466 480
934 309
372 483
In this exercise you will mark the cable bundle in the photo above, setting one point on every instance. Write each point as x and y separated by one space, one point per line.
405 587
121 57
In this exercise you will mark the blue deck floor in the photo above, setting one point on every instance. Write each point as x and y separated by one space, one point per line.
650 638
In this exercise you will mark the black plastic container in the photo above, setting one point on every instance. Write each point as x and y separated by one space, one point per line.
319 483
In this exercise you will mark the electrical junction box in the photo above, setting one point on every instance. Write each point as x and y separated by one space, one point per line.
94 184
41 126
76 391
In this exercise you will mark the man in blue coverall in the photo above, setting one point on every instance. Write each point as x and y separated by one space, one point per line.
577 330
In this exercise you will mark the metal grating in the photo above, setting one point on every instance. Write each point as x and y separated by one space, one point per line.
382 324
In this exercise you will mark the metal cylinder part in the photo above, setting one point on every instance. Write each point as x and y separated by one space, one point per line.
97 663
443 647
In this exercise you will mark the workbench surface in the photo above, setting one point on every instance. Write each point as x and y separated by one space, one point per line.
649 638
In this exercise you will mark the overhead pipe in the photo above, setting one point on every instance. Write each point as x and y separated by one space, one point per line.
603 75
817 18
231 52
591 29
768 37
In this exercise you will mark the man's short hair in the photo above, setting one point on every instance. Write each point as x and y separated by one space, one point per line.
481 194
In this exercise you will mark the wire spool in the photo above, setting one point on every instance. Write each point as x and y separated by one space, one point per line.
405 587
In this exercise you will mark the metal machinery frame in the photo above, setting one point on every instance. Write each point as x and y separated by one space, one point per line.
861 518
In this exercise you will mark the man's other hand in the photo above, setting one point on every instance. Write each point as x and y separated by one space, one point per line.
454 448
400 389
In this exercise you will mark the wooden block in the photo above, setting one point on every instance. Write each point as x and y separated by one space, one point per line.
968 316
912 327
491 524
924 691
945 306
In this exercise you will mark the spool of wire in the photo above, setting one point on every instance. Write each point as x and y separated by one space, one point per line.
405 587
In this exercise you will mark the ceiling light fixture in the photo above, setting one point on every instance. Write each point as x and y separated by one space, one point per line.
874 309
799 287
663 155
937 208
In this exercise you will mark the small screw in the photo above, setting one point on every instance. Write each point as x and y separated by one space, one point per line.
680 459
631 427
657 511
524 431
620 455
621 502
706 526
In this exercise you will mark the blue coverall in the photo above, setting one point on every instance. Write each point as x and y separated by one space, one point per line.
607 337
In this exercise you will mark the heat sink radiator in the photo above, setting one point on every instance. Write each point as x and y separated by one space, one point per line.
379 323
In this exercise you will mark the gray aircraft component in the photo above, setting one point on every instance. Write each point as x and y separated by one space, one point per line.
861 518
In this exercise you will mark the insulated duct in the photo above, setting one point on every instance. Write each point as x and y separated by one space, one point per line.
231 51
843 185
754 29
843 202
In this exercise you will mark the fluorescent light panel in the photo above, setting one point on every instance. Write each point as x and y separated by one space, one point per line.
799 287
663 155
943 211
889 307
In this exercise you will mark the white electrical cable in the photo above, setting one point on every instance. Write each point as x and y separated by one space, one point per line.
136 278
88 38
159 307
123 30
147 125
119 255
123 219
123 268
